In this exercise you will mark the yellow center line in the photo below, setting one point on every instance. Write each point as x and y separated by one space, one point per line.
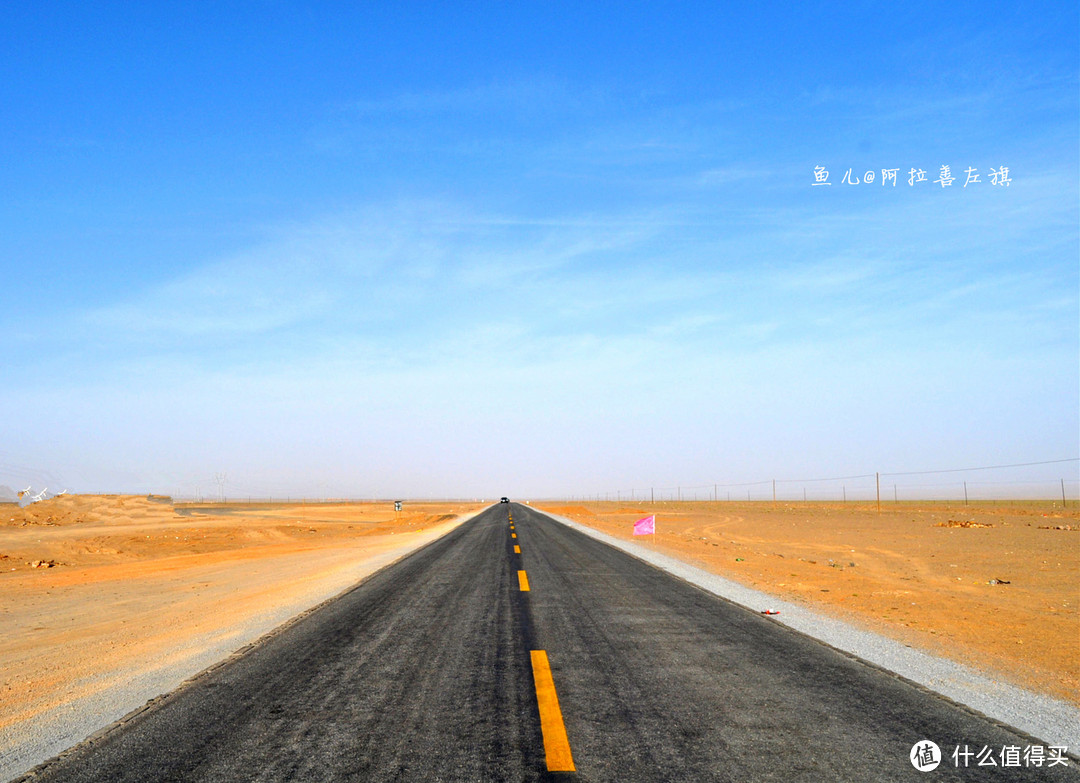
517 549
556 744
523 581
513 535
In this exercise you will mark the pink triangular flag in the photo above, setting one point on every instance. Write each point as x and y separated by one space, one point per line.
645 527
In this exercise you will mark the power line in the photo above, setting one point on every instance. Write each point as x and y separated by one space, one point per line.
986 467
834 478
684 487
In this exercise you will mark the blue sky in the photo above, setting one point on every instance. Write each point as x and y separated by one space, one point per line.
478 249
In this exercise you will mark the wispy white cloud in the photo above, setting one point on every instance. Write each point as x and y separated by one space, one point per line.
424 322
405 275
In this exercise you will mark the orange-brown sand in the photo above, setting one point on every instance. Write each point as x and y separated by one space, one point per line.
996 587
139 583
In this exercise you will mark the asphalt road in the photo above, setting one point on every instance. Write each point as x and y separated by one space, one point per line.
430 671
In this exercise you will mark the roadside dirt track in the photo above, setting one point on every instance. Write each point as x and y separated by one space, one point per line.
140 585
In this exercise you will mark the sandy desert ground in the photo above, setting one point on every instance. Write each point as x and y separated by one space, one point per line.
992 586
98 592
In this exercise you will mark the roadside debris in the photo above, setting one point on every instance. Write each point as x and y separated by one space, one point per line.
43 564
770 611
999 582
963 523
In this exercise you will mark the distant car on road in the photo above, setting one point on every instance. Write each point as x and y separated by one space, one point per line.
505 500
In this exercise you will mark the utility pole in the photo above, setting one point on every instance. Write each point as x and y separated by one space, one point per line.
965 494
1063 503
652 490
877 480
774 493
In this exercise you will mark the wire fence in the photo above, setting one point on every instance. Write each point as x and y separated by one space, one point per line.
965 485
